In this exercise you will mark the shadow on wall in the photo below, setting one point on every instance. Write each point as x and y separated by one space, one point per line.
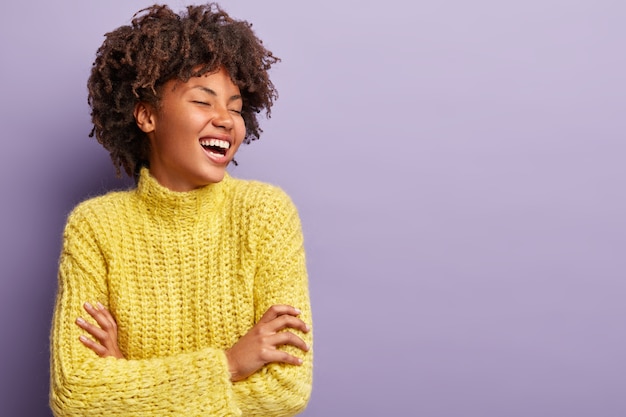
31 267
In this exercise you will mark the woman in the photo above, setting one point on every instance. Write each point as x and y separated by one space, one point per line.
194 282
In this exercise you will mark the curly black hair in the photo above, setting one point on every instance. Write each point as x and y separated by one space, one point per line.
136 60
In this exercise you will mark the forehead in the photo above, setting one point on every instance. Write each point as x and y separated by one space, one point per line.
218 81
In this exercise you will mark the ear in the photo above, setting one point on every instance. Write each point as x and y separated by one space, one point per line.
144 117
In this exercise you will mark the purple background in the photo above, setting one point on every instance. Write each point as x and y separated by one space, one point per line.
459 169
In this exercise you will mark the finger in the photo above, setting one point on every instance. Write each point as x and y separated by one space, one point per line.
102 316
288 338
286 321
276 355
95 313
107 317
96 347
279 310
92 329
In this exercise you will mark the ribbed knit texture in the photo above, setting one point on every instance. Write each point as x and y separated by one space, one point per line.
185 275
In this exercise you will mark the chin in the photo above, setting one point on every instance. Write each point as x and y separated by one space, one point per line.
215 176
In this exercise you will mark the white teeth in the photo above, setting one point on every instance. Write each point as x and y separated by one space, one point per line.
215 142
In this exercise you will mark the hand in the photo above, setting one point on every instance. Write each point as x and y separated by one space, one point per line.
260 345
106 334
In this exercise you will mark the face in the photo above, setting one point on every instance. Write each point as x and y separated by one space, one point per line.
195 131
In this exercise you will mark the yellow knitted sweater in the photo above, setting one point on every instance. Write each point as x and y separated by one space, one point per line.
185 275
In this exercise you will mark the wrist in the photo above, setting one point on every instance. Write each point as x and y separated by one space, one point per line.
231 364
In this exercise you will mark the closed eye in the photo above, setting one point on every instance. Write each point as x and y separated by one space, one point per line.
204 103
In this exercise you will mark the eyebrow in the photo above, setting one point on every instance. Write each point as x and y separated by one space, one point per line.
214 94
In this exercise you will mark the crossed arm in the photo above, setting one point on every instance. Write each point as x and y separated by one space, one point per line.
254 350
257 375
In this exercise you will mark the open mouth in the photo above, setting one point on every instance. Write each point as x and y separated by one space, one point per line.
215 146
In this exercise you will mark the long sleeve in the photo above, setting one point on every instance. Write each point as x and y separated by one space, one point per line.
186 384
279 389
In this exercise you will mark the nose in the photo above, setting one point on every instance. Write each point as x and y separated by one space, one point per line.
222 118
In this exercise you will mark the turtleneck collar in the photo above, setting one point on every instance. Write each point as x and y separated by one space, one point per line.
179 205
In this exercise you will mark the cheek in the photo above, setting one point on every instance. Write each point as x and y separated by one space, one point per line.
241 130
194 120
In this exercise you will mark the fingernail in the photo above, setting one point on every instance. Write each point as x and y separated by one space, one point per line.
87 305
83 338
298 311
299 361
80 321
100 305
